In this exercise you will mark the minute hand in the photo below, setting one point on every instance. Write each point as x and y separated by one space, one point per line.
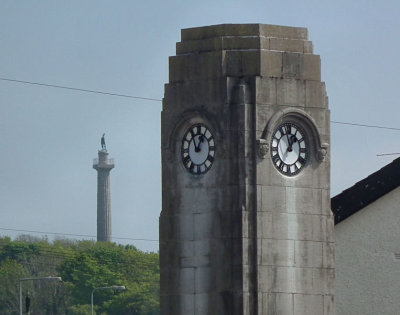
289 149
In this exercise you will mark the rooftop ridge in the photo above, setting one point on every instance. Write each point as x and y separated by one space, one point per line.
366 191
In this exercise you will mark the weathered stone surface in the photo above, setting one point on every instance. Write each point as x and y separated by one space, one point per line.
274 198
291 199
270 64
222 43
264 30
328 254
278 304
329 305
316 94
308 254
291 93
311 67
240 63
243 239
187 280
308 47
265 95
323 279
196 66
187 304
323 228
309 304
292 45
280 279
277 252
283 31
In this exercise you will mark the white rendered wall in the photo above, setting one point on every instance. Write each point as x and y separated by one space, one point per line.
367 272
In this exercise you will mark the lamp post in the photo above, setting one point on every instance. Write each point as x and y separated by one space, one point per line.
58 279
113 287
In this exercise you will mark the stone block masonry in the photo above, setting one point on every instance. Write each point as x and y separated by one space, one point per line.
244 238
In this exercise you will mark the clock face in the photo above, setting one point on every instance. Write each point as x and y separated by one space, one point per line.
289 150
198 149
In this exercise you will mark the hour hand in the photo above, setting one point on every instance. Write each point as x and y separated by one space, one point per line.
196 146
289 139
200 140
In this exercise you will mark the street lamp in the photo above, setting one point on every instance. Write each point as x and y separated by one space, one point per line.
58 279
113 287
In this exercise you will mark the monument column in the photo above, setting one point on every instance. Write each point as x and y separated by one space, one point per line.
103 165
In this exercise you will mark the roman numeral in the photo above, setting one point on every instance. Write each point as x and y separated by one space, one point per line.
275 159
301 160
192 134
186 160
302 150
210 158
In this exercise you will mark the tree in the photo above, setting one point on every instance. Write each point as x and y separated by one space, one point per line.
10 273
83 265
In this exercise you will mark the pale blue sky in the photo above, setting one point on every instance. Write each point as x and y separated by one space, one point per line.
48 137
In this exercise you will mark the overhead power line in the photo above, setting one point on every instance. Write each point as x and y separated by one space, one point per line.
80 235
80 90
159 100
364 125
384 154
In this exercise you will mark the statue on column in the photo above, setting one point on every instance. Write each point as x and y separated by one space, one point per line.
103 142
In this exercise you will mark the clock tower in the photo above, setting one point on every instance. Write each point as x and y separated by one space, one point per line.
246 226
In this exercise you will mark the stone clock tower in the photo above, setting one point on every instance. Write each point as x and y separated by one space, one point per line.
246 226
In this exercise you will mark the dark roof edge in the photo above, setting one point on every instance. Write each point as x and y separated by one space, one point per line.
366 191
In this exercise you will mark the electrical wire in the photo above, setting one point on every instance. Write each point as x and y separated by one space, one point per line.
158 100
80 90
80 235
384 154
364 125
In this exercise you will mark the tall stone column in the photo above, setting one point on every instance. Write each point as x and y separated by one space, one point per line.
103 165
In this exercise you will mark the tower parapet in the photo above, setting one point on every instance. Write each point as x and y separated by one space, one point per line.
103 161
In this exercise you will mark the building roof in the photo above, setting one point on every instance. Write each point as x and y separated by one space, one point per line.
366 191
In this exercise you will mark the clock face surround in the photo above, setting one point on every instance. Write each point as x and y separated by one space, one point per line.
198 149
289 149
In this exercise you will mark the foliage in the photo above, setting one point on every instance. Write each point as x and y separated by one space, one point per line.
79 309
83 266
10 272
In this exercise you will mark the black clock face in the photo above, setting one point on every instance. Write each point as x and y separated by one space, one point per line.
289 150
198 149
